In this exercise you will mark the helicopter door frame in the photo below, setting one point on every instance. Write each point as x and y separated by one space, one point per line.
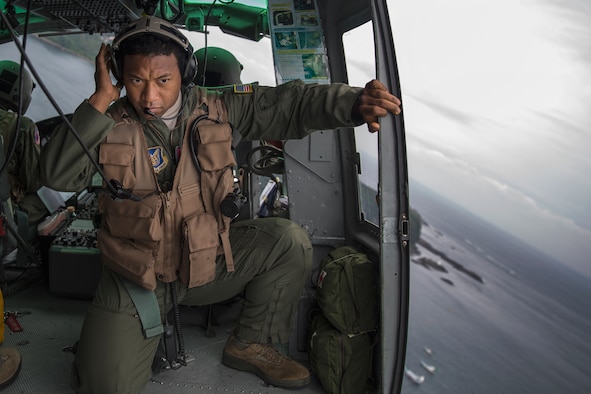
394 212
389 237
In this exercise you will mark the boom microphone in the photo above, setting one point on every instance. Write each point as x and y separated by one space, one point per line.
148 112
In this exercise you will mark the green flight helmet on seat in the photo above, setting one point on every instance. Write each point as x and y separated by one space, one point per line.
9 86
221 67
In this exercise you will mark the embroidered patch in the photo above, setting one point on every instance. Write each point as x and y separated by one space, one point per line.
321 278
159 159
243 88
36 137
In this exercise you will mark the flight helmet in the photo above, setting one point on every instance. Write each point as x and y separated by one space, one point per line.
9 86
221 68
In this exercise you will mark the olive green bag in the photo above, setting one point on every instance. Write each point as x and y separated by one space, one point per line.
342 335
348 291
341 363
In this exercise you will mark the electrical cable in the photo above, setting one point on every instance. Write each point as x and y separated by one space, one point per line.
205 24
181 359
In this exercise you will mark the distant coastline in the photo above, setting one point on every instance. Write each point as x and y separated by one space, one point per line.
529 322
429 263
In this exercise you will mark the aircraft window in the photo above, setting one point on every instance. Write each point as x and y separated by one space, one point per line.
67 73
360 59
255 57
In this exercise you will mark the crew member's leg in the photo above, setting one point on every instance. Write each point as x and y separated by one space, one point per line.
113 356
273 260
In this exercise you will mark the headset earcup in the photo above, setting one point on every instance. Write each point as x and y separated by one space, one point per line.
117 73
190 69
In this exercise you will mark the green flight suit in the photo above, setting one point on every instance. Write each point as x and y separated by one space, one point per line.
23 168
272 256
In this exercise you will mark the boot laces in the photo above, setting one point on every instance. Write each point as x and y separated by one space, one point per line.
269 353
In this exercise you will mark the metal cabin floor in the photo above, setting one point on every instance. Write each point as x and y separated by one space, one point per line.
52 323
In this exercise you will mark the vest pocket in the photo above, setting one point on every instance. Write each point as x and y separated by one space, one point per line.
138 220
117 161
132 259
201 235
214 150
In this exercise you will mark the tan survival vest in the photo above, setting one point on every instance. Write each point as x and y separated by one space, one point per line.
178 233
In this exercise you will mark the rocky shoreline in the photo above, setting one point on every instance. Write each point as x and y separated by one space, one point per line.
438 266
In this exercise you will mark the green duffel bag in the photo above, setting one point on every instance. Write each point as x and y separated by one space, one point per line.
341 362
347 291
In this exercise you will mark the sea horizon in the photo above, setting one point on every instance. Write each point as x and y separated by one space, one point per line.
522 328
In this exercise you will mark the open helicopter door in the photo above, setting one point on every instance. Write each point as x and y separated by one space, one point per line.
351 186
383 156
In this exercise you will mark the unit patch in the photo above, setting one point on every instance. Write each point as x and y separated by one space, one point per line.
159 159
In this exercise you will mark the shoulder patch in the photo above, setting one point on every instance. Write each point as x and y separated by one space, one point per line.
243 88
36 136
159 159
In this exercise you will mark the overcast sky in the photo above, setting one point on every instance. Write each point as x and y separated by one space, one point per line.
496 107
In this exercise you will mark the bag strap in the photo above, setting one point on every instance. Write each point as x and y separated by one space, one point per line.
147 307
350 281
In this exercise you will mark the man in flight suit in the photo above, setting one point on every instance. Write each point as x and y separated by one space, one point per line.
169 144
23 163
20 152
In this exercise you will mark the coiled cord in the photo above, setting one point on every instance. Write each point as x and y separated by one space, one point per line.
181 359
270 162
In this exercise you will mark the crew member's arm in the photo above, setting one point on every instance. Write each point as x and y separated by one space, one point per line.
64 165
295 109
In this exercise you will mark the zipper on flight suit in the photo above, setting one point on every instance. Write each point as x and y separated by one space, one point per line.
169 233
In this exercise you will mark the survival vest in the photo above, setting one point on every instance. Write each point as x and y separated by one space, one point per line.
171 234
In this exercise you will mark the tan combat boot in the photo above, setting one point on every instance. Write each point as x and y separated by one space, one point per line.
10 365
266 362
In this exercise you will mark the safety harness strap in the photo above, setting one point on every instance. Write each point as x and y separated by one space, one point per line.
147 308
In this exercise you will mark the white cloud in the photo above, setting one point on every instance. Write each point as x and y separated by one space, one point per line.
504 206
496 100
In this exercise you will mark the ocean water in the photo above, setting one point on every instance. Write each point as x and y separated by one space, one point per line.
526 329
